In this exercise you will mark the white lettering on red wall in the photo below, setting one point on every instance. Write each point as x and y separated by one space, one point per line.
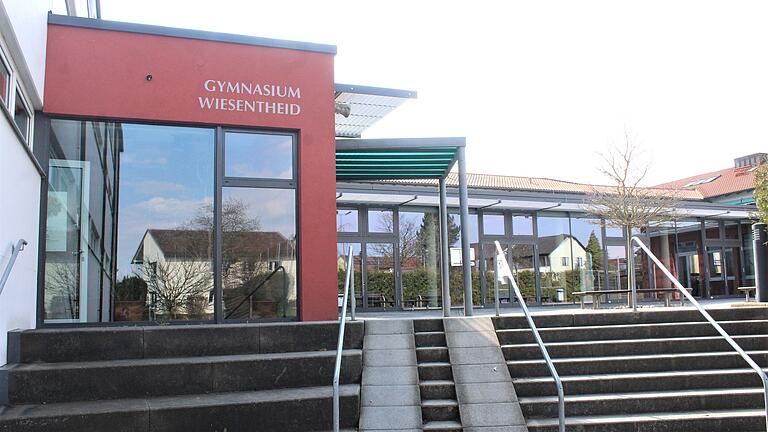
252 97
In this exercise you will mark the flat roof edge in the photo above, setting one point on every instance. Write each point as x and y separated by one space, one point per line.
376 91
394 143
100 24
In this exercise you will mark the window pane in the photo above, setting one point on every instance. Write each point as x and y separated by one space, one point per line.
258 268
21 116
456 273
731 230
587 253
165 223
258 155
522 225
380 221
712 229
493 224
346 220
419 259
5 81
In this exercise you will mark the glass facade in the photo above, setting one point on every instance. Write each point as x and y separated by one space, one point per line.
133 215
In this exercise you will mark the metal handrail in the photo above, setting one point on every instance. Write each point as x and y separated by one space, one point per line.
14 253
253 291
503 268
709 318
349 284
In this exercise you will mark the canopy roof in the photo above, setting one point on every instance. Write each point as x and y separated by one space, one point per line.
401 158
368 105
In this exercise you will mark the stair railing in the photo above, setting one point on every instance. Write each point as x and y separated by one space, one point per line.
349 284
503 271
14 253
711 320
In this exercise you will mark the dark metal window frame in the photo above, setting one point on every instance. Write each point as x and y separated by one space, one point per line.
42 127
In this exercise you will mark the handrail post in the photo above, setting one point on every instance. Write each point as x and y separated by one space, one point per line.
504 267
496 281
711 320
340 344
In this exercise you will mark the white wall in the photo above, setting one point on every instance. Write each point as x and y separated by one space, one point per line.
23 25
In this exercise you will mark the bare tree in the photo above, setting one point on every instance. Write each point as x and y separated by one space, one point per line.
174 282
625 203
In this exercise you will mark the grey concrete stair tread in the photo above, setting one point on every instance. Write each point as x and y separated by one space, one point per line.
170 402
634 357
439 403
434 364
431 348
436 382
428 333
642 395
441 425
649 375
635 341
647 417
176 360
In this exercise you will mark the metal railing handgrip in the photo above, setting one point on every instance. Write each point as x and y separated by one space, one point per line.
503 267
14 253
709 318
349 280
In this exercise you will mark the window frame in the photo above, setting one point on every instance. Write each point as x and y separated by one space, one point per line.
9 85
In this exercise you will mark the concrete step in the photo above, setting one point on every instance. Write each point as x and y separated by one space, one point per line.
429 339
432 354
639 382
439 410
701 421
435 371
442 426
125 379
135 342
618 317
632 331
305 409
639 402
428 325
637 363
603 348
437 389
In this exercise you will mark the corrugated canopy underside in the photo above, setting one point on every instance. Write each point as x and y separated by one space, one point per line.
367 106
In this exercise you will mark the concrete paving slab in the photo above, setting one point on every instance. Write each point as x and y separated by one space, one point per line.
394 395
389 341
394 375
454 325
486 392
476 355
395 357
491 414
471 339
485 373
394 326
390 418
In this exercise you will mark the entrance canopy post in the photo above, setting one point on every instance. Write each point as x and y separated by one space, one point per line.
466 262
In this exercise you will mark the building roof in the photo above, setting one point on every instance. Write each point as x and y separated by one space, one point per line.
196 244
717 183
534 184
548 244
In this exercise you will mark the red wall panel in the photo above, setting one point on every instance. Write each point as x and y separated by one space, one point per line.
102 73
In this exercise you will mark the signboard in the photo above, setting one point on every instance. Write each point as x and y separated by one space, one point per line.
456 257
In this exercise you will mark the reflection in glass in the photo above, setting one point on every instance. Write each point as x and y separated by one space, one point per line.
258 269
258 155
617 267
346 220
5 81
712 229
21 115
381 221
342 255
557 250
748 256
522 225
419 259
587 254
380 272
456 271
689 250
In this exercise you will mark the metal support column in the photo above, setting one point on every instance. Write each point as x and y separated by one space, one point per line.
444 250
760 250
466 263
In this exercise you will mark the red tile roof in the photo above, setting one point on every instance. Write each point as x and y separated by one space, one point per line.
728 181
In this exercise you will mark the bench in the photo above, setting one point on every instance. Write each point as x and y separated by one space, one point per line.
747 290
667 294
596 295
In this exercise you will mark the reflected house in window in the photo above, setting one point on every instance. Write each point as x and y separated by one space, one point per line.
556 252
176 265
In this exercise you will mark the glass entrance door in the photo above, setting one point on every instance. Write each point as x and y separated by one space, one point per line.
342 257
689 272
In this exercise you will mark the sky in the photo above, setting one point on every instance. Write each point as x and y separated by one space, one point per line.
538 88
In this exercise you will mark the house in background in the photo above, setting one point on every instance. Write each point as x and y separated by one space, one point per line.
557 251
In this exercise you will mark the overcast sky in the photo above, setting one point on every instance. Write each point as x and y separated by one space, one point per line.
537 87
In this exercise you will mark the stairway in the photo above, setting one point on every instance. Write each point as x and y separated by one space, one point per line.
240 377
659 370
439 407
